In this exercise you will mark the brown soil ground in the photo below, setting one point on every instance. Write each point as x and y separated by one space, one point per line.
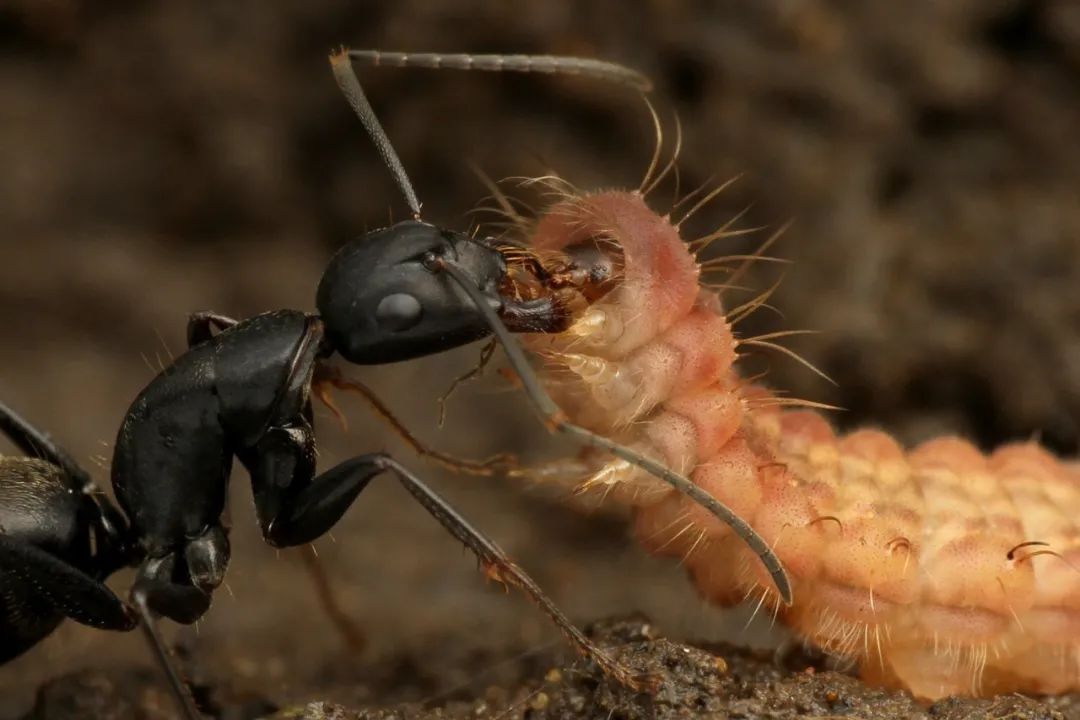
160 158
716 681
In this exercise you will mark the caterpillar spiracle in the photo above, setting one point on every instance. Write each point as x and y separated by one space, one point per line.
939 569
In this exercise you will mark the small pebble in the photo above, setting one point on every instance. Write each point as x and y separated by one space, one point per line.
539 701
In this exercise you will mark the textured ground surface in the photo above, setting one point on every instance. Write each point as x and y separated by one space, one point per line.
160 158
718 681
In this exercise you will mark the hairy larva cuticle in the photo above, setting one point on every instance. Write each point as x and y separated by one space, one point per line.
939 569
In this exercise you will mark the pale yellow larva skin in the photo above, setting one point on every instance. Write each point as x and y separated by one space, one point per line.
916 563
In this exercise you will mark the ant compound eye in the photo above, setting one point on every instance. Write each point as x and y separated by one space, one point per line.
430 260
398 312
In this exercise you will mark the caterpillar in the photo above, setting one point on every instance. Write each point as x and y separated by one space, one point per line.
939 569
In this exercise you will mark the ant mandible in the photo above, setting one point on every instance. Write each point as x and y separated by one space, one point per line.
410 290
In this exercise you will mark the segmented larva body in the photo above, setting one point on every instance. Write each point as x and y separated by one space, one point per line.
928 566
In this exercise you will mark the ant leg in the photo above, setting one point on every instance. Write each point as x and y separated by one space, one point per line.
140 599
155 587
289 453
486 353
200 326
36 443
68 590
294 508
555 420
87 601
181 591
157 592
327 376
351 633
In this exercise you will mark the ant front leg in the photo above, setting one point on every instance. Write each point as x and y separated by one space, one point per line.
295 507
287 454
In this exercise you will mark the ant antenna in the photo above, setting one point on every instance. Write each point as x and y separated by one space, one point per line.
549 411
341 63
354 94
550 64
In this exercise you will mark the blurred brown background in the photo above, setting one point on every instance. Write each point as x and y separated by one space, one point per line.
159 158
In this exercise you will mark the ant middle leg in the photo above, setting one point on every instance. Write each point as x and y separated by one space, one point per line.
295 507
352 635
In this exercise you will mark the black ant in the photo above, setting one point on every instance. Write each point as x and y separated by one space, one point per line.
402 292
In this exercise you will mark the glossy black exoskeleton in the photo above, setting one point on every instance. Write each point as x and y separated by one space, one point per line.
246 393
60 538
381 303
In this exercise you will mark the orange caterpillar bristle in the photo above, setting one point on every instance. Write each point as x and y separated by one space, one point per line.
939 569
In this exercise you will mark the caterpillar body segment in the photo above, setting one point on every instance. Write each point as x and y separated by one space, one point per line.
939 569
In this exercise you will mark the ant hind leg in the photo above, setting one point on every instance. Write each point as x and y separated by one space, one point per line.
87 601
351 633
295 512
69 591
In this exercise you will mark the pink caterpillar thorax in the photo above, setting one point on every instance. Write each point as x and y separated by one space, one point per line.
928 566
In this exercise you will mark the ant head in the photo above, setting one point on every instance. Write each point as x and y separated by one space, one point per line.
383 299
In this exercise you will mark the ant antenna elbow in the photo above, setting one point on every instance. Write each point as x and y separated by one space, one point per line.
354 94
